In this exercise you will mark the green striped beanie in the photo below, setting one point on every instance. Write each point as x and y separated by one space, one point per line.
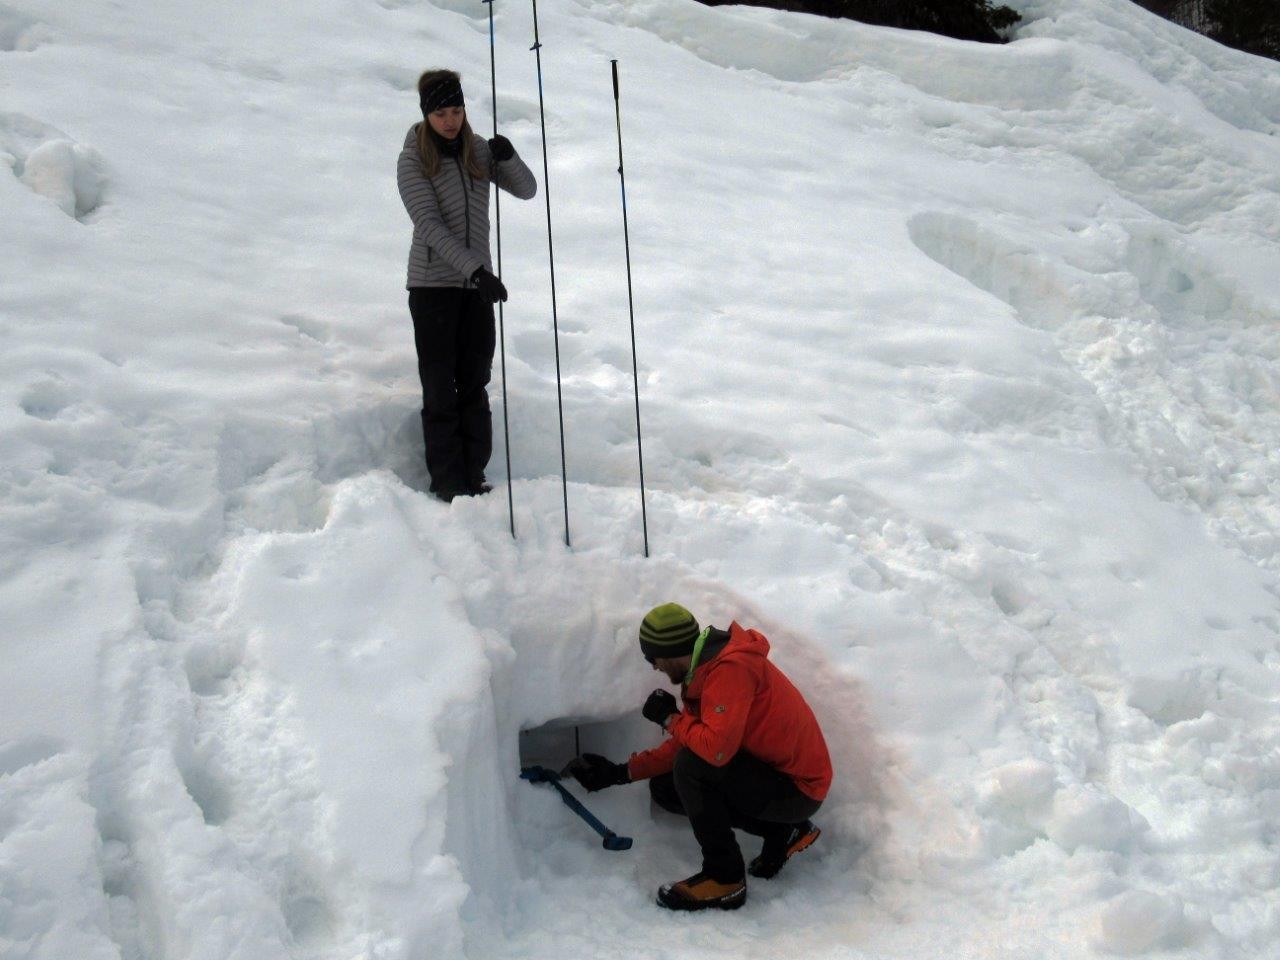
668 630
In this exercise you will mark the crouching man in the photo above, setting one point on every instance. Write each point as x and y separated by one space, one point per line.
745 751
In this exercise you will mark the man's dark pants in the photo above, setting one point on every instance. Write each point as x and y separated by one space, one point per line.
745 793
453 329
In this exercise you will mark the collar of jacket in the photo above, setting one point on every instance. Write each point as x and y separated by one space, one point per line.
716 641
450 148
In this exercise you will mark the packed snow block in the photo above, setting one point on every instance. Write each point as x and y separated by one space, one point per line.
1017 800
1138 921
1023 784
1085 817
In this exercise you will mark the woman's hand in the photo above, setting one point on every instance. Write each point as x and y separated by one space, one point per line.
489 286
501 148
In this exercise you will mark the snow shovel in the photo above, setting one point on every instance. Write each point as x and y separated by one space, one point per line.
542 775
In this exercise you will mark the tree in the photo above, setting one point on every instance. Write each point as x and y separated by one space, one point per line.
963 19
1249 25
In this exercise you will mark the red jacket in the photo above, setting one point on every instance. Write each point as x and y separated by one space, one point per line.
740 701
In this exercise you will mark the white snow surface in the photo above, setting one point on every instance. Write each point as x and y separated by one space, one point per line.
959 370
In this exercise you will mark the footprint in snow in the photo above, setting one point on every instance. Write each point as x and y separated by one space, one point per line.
45 400
19 33
70 174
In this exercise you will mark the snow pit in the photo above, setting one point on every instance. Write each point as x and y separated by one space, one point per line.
554 744
623 810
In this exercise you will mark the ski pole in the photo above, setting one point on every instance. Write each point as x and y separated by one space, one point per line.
542 775
635 374
555 325
502 332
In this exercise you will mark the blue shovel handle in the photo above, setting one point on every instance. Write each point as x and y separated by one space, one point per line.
542 775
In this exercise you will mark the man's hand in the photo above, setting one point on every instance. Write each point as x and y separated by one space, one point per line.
596 772
660 705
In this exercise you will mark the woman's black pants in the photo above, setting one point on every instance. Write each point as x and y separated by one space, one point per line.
745 793
453 329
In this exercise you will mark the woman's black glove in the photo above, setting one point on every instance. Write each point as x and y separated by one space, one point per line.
595 772
500 148
659 706
490 287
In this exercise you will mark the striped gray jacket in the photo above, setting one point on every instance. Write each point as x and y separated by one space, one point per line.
450 212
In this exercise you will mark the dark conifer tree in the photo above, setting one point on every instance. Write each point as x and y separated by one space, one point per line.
1250 25
963 19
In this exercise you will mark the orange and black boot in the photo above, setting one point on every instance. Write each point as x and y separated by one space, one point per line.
701 892
781 847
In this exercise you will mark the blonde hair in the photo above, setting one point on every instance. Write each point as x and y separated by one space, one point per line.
427 148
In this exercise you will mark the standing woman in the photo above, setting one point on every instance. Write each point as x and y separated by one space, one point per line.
444 174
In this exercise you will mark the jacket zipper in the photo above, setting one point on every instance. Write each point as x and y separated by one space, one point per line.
466 201
466 198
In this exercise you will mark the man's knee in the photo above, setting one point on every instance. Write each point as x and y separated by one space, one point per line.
662 789
691 768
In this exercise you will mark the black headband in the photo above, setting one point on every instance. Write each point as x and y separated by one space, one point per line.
446 92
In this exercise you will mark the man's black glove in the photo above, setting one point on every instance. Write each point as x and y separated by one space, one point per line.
595 772
490 287
659 706
501 149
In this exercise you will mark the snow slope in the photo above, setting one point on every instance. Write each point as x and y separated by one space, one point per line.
960 374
